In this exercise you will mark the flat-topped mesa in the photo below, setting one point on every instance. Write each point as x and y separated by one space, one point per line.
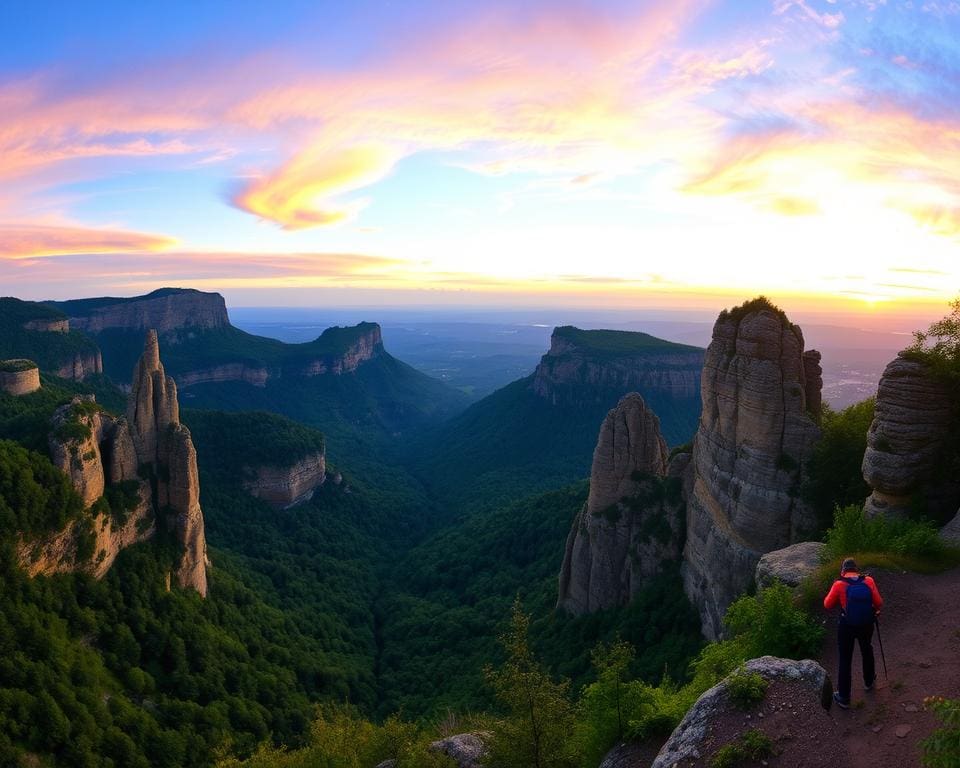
165 310
631 523
756 434
19 377
366 345
913 420
580 363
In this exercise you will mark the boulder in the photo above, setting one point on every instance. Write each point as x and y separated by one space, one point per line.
686 741
630 524
911 423
466 749
951 531
755 435
791 565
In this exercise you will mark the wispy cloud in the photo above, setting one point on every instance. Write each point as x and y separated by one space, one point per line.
18 241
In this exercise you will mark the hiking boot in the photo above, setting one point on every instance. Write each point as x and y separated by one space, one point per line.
842 703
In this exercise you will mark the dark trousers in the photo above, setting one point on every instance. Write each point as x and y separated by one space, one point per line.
846 637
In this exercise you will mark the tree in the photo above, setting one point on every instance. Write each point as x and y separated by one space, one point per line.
536 730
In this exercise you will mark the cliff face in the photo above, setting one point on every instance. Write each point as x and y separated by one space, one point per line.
631 523
573 370
364 348
80 365
906 441
229 372
165 310
19 377
48 326
283 487
754 437
97 450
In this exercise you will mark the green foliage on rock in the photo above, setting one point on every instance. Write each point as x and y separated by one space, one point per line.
752 746
746 688
35 496
853 533
834 475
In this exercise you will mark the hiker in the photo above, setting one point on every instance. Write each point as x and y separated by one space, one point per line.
859 601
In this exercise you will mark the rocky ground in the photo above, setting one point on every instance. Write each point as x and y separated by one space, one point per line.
920 626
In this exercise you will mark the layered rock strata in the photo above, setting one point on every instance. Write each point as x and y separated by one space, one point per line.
163 311
571 369
905 444
755 435
97 450
81 365
48 326
19 377
283 487
631 523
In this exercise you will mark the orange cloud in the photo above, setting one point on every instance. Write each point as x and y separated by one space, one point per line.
36 241
306 191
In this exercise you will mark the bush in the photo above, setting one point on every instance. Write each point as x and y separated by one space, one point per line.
942 748
746 688
753 745
853 532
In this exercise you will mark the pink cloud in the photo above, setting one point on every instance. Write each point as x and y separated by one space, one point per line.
31 241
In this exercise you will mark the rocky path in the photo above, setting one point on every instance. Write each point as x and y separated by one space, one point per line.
920 627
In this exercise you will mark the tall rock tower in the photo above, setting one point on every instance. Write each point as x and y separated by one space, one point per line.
163 445
631 523
761 398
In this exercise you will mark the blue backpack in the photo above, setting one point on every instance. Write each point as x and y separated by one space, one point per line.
859 610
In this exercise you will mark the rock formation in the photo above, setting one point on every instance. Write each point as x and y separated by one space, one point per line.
951 531
283 487
163 310
573 367
755 435
19 377
164 446
80 365
47 325
255 375
685 744
905 444
631 523
790 565
97 450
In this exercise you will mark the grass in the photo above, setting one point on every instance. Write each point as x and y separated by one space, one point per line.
746 688
752 745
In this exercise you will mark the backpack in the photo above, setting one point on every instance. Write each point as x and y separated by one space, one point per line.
859 610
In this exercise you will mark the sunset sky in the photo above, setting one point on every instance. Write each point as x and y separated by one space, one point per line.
609 154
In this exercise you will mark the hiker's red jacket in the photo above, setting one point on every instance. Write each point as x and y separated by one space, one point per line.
838 592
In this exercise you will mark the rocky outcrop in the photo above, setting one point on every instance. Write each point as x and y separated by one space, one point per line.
905 444
790 565
79 428
80 365
754 438
365 347
579 366
163 445
164 310
466 749
48 326
19 377
283 487
631 523
97 450
951 531
255 375
686 742
813 383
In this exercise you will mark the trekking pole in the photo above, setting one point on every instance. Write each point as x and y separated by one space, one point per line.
876 620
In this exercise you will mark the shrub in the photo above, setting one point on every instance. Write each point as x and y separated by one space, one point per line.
853 532
942 748
746 688
752 745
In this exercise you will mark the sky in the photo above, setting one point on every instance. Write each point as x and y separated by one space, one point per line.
618 154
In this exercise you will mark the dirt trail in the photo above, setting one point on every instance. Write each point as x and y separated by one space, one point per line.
920 628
